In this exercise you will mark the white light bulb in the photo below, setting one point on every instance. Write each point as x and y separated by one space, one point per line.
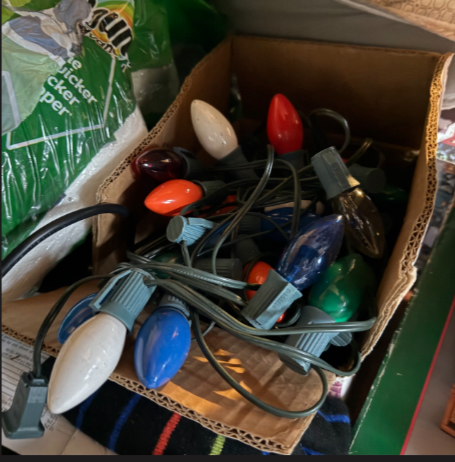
85 362
304 204
213 130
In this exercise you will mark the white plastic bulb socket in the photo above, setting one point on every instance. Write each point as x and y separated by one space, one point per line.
214 131
85 362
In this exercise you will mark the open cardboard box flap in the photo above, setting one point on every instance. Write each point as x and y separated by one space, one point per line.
392 96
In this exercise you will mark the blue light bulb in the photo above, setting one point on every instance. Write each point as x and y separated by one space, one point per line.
76 316
311 251
281 216
162 346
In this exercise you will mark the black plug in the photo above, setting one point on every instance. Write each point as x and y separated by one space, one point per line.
23 419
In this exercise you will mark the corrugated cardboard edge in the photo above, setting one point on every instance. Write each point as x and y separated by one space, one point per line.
257 442
395 286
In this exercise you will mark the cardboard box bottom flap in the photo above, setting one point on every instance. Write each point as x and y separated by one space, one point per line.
197 391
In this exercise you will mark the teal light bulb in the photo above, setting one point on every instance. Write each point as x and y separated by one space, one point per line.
167 258
340 290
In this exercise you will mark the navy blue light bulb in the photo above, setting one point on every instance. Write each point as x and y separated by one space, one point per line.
76 316
281 216
162 344
311 251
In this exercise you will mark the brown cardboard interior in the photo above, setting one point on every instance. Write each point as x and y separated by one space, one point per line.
389 95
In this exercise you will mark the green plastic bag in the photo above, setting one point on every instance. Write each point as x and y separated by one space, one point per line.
67 93
62 109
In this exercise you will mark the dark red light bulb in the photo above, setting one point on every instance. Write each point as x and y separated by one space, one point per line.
161 164
284 127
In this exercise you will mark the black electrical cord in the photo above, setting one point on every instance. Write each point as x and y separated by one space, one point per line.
282 184
200 252
207 200
242 211
360 152
60 223
245 393
50 318
318 133
39 236
187 260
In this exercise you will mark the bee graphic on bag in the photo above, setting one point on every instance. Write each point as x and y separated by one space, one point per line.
111 29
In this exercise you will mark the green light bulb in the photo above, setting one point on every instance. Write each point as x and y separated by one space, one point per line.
340 290
390 199
167 258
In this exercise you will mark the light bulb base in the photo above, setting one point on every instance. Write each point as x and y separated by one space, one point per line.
372 180
271 300
230 268
124 297
194 168
236 157
189 230
246 250
23 419
250 224
342 339
315 343
332 172
171 301
295 158
210 187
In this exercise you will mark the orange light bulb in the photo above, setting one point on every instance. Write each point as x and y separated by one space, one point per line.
230 198
171 197
281 317
258 275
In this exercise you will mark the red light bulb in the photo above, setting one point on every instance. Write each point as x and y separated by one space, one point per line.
258 275
284 127
161 164
171 197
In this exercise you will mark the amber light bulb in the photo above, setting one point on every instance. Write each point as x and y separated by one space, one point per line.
171 197
364 229
258 275
363 222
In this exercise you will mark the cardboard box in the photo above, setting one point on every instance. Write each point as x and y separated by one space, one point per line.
392 96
